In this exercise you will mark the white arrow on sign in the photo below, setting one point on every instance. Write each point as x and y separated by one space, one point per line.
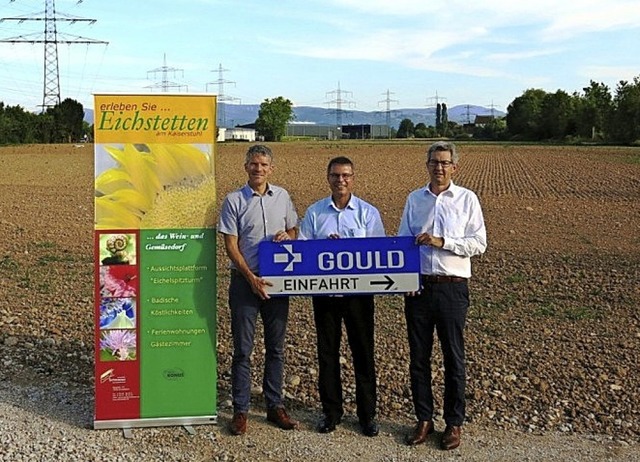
290 257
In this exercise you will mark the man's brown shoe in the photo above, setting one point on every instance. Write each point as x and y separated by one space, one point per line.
279 416
420 432
451 437
238 425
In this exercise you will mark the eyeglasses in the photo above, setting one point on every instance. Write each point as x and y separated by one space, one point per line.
337 176
442 163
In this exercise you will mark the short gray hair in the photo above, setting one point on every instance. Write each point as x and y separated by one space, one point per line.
444 146
258 150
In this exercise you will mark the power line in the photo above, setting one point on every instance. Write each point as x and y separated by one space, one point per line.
339 101
493 106
222 98
51 39
388 101
436 98
468 113
165 85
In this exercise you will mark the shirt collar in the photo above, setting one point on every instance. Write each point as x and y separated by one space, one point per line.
250 192
350 204
452 190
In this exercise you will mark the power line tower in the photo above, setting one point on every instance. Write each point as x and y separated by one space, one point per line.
339 101
51 39
493 112
165 85
222 98
388 101
437 99
468 113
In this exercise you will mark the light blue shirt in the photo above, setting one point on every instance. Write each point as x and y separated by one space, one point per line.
456 216
254 218
357 219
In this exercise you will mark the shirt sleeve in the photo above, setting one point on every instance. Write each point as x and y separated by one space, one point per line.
306 226
404 229
474 241
227 222
375 227
291 219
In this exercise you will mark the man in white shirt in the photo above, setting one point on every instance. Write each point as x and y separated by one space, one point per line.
343 215
448 224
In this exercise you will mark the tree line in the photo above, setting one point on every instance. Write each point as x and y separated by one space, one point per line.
596 114
63 123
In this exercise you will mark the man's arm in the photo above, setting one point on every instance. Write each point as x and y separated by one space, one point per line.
375 227
474 241
233 252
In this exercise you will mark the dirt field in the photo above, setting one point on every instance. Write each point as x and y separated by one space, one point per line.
553 337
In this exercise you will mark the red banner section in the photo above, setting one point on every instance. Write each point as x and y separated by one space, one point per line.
117 358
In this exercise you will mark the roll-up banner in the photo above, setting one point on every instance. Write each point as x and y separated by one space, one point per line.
155 260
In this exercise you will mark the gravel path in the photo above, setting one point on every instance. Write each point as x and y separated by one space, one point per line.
51 421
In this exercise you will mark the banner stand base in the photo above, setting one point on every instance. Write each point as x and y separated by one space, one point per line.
127 424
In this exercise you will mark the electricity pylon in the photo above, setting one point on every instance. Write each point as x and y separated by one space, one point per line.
51 92
339 101
164 85
222 99
388 100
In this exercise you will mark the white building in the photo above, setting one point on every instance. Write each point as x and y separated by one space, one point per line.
236 134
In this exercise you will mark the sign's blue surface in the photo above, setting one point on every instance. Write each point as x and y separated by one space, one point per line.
325 257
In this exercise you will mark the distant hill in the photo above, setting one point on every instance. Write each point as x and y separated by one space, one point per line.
241 114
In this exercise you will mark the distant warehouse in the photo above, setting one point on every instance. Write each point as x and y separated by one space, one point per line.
333 132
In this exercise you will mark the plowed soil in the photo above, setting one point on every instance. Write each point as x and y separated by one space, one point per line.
553 335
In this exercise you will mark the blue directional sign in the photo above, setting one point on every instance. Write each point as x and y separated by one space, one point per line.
383 265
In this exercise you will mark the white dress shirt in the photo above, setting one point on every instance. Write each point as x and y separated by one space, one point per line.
357 219
456 216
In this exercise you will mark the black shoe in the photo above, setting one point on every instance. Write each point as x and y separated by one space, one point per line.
370 428
327 424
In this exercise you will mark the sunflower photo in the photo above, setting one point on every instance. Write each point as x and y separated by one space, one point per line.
154 186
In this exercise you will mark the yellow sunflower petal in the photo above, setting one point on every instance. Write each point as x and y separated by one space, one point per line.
112 180
169 167
114 215
193 161
140 167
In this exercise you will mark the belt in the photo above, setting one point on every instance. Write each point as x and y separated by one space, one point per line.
434 278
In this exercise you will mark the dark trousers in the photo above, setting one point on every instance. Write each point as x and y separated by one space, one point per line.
245 307
357 313
442 306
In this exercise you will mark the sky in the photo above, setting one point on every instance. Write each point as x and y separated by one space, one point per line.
362 55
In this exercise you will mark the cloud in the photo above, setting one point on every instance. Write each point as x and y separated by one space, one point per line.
593 16
552 21
523 55
611 74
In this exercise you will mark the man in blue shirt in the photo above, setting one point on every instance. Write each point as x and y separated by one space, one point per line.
343 215
447 223
256 212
